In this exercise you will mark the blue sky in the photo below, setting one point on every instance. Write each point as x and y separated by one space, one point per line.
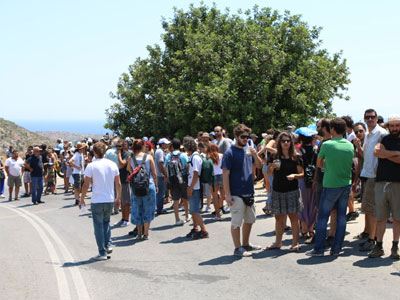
60 59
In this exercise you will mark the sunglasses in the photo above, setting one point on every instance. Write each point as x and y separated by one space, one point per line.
370 117
358 131
244 136
285 141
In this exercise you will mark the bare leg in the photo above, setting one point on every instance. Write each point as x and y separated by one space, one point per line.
380 230
294 221
332 223
236 236
246 229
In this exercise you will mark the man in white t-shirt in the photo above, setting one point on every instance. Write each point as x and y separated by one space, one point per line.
193 191
77 162
13 167
103 174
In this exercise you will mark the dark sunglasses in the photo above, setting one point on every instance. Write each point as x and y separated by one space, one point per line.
285 141
358 131
370 117
244 136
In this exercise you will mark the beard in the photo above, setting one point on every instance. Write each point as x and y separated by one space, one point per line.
395 134
240 143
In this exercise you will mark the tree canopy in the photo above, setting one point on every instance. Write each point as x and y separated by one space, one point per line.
258 67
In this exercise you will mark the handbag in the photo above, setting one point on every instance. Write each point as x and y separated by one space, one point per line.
248 199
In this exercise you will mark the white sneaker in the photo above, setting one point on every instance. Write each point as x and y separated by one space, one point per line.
2 196
207 209
179 223
118 224
124 224
100 257
188 219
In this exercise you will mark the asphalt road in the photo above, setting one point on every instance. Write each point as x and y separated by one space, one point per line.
46 251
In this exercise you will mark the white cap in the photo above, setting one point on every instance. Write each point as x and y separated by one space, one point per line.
164 141
394 119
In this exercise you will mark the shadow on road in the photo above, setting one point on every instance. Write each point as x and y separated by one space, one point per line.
79 263
177 240
161 228
222 260
373 262
25 205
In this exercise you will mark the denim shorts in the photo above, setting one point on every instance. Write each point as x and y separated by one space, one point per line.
194 202
218 180
77 180
143 208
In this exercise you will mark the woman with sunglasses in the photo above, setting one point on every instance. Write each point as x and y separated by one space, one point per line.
287 169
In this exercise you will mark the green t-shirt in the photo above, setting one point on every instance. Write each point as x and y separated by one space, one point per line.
338 156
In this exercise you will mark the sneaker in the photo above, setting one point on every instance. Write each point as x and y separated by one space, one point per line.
314 253
100 257
376 252
115 212
226 210
191 233
133 232
394 253
179 223
252 247
40 201
188 219
335 253
362 236
25 195
352 216
241 252
2 196
109 250
124 224
367 246
9 199
118 224
310 240
207 209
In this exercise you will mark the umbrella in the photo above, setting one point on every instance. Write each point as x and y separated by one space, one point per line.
305 131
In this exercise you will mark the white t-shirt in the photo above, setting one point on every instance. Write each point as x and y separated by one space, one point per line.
195 163
14 166
350 136
370 160
103 172
78 161
217 167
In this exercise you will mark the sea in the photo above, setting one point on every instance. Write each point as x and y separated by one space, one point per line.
77 126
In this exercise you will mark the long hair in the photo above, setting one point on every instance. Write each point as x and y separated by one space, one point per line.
292 152
212 152
137 146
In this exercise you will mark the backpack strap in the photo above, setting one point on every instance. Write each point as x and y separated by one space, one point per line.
135 161
144 159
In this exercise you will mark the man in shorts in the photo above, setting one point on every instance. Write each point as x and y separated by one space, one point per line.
237 166
387 188
77 163
374 136
178 190
13 167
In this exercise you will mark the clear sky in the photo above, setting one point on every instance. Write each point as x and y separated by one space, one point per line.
60 59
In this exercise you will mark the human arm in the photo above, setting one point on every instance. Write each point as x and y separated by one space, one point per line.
121 161
298 175
257 159
153 171
381 152
226 183
193 183
271 147
117 183
85 187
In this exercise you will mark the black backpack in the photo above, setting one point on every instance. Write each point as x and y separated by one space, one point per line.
175 170
309 166
141 181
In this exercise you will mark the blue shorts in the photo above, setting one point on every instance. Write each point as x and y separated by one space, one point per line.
194 202
143 208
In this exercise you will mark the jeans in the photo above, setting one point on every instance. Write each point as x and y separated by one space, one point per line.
37 188
142 208
161 194
1 186
101 213
332 198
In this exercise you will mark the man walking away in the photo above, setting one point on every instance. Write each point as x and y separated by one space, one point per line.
103 174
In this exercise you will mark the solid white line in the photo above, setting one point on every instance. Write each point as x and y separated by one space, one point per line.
79 283
62 282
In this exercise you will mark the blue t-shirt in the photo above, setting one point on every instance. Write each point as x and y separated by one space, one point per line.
240 166
37 166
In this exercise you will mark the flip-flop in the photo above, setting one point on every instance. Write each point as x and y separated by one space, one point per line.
272 247
294 248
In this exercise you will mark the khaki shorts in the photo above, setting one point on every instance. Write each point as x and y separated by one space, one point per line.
14 181
368 197
241 212
387 200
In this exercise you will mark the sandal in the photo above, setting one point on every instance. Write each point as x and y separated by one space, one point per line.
295 248
273 247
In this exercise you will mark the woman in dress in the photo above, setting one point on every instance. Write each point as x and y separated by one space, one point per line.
286 201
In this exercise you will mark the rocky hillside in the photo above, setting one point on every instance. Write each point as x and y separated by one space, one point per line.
19 137
67 136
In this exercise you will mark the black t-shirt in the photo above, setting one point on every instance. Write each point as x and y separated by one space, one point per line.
388 170
320 174
37 166
123 172
280 183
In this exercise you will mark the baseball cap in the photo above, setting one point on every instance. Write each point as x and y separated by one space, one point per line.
164 141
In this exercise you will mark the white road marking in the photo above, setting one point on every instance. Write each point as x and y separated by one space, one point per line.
62 282
79 283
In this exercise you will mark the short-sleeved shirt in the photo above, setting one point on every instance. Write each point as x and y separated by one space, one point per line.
195 165
78 161
388 170
35 162
182 156
337 154
103 172
123 172
112 154
240 166
223 145
159 158
14 166
370 160
280 183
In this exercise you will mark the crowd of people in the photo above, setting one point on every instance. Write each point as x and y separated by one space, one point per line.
311 176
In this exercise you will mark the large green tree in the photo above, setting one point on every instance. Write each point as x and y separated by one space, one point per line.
257 67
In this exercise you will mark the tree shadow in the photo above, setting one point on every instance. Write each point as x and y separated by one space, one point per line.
222 260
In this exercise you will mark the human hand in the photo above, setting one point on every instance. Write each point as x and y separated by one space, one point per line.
291 177
229 200
189 191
